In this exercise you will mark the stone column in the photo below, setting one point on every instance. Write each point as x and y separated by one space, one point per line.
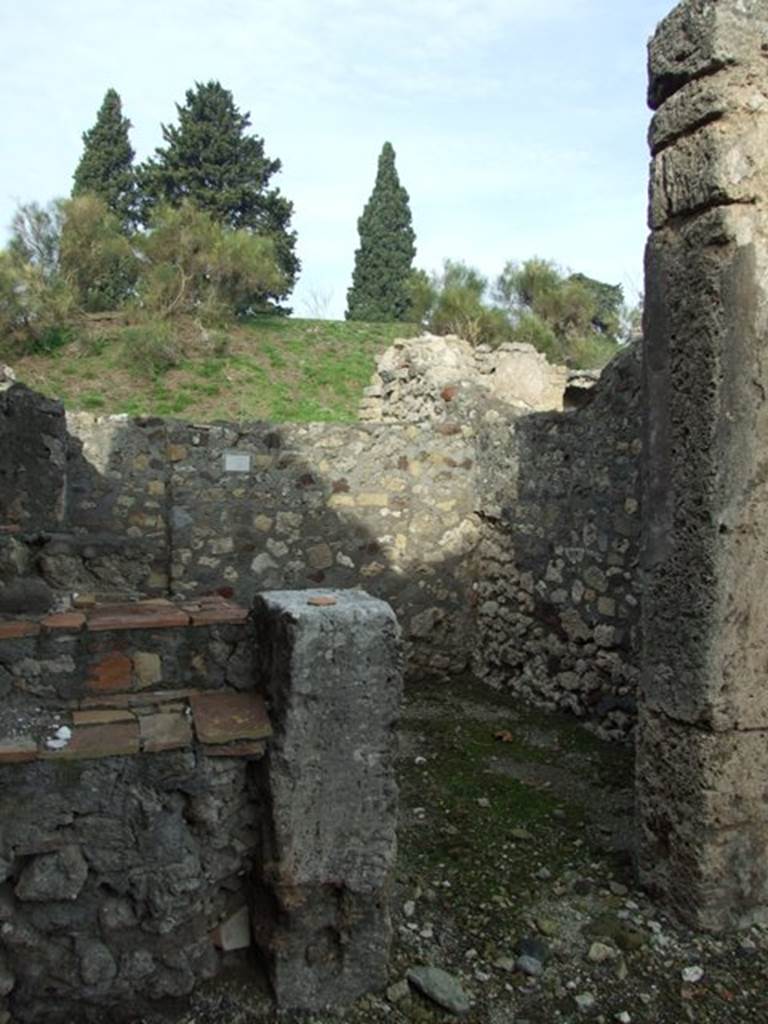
703 740
332 666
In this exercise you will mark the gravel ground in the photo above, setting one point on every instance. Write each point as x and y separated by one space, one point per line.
515 877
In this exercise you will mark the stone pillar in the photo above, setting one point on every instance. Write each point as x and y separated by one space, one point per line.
702 765
332 666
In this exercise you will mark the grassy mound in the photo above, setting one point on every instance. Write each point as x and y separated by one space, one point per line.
269 368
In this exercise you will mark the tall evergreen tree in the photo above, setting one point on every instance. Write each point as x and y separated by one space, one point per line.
380 280
106 166
210 159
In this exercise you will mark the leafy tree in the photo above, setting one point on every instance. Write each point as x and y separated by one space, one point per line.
571 318
32 306
95 257
210 160
609 304
194 265
106 166
380 280
36 235
461 307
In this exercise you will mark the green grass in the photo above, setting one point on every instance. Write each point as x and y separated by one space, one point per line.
275 368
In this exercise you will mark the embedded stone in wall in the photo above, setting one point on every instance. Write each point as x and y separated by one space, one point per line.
527 380
332 672
704 825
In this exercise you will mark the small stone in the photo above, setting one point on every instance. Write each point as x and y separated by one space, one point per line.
505 963
483 801
547 926
409 908
584 1001
617 889
441 987
398 992
543 874
623 1017
529 965
520 833
53 876
691 975
599 952
148 668
234 932
97 965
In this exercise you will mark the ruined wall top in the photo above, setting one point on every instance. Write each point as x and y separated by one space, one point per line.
416 379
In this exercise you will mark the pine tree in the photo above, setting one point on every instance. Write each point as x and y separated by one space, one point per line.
210 159
380 281
106 166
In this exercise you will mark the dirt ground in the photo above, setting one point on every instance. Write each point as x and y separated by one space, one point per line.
516 838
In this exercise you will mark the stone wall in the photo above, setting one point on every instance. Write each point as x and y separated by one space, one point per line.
558 588
146 841
152 507
547 603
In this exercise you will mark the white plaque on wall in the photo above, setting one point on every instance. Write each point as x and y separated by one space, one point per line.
237 462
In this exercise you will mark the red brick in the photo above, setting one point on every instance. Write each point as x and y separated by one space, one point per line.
211 614
223 716
17 749
116 739
18 628
104 717
322 601
247 748
147 698
112 672
72 621
142 615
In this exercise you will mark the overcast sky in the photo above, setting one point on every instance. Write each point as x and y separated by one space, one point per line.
519 125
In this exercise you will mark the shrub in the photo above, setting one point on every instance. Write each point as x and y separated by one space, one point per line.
460 306
194 265
95 256
31 306
151 349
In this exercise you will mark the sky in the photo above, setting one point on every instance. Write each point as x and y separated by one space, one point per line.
519 125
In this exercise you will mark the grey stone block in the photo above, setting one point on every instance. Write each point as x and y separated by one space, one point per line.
333 675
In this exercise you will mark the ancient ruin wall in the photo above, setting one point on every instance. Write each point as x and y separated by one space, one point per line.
146 840
558 589
155 507
703 750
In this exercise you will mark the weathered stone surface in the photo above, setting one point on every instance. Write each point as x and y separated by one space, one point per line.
421 379
704 709
234 932
703 37
165 731
33 455
442 988
53 876
331 775
704 820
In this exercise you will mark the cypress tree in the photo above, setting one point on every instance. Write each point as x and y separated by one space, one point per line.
106 166
383 262
211 160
